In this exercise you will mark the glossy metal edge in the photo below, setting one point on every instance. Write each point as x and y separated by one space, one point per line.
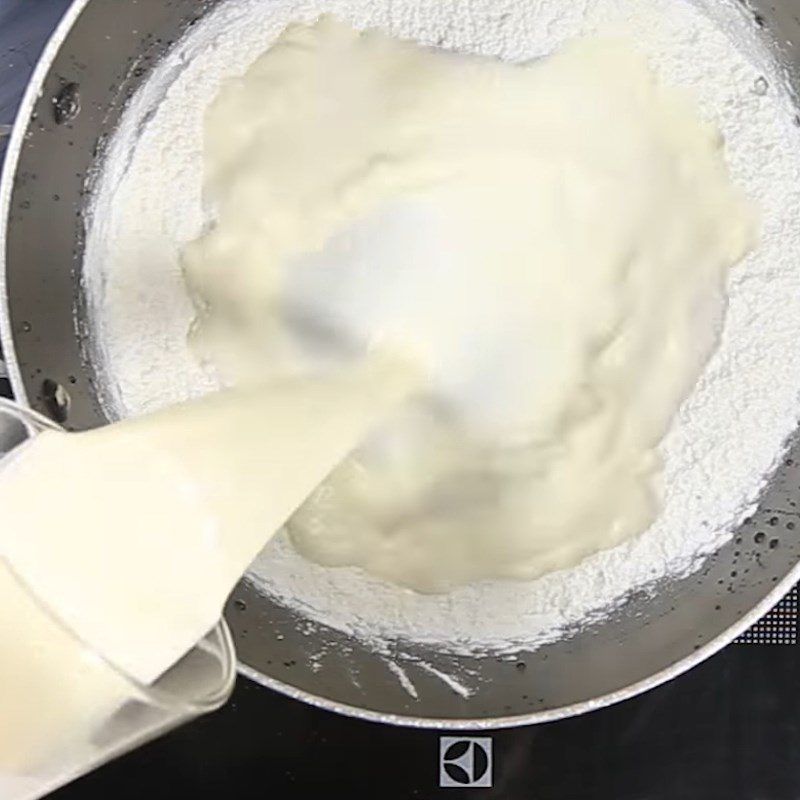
9 169
551 715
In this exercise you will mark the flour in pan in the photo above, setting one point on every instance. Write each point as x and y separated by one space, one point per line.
727 435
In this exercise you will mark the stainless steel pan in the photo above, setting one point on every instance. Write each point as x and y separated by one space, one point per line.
97 58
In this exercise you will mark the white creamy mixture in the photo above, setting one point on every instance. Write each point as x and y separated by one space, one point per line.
154 178
202 486
549 241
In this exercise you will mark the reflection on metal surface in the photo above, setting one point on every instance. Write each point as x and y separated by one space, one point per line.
67 103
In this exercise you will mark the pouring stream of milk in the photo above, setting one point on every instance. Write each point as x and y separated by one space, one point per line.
134 535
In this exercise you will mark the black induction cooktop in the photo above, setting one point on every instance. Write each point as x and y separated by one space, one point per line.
728 730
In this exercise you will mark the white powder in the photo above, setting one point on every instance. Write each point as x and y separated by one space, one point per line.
727 435
402 677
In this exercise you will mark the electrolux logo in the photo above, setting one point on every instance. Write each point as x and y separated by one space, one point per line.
465 761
